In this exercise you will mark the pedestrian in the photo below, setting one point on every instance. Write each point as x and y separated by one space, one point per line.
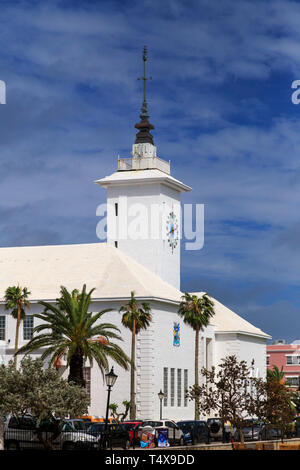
227 430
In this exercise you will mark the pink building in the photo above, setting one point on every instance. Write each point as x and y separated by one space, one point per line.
287 356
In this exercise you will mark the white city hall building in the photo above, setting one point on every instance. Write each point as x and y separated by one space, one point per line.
143 199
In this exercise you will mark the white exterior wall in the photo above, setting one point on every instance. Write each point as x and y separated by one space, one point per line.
166 355
10 332
154 352
151 248
245 347
170 259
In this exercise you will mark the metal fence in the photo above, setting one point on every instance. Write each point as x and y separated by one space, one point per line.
29 439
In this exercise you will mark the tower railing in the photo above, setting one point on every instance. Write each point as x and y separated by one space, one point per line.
143 163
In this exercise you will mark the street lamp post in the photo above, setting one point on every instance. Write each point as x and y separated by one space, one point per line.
161 397
223 427
110 379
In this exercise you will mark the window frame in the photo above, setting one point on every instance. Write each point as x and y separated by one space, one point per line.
28 330
3 328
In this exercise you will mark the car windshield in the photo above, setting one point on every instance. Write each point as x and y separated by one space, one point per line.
96 427
153 424
128 426
66 427
22 422
79 425
185 425
29 422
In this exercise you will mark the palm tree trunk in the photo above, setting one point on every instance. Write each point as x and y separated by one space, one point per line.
132 374
197 372
242 439
17 335
76 369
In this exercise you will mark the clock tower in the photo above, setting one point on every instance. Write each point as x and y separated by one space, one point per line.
143 204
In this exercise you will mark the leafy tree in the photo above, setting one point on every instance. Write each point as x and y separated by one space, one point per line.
16 300
274 404
227 392
296 397
136 318
196 312
276 374
114 410
68 327
41 393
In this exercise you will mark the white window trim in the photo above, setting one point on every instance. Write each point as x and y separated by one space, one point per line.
27 328
292 355
5 327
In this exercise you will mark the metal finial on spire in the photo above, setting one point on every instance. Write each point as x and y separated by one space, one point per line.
145 53
144 126
144 114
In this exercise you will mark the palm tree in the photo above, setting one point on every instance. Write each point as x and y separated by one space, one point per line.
69 328
16 300
135 318
196 312
276 374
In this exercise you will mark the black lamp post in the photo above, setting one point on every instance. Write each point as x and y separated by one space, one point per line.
223 424
161 396
110 379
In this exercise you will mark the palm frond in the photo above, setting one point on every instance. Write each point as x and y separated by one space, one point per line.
68 326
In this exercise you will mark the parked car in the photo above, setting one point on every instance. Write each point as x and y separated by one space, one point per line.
255 431
187 436
21 433
297 427
175 434
252 431
116 435
75 425
215 428
132 427
199 430
269 431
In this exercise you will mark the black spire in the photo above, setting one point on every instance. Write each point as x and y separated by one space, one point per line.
144 126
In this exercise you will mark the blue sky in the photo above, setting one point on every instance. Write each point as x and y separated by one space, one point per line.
220 100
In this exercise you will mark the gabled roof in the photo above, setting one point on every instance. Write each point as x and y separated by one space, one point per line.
43 269
226 321
113 274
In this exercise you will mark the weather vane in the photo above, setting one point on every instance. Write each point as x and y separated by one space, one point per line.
144 127
144 115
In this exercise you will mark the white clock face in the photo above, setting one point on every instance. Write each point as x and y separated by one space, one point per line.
172 230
